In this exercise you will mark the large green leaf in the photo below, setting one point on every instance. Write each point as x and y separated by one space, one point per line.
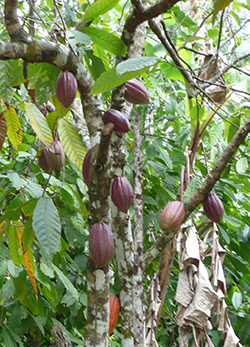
68 285
72 142
14 245
98 8
38 123
220 5
14 127
110 42
111 79
47 226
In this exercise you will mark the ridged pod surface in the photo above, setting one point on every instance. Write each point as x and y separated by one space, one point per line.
122 193
118 119
101 244
136 92
114 310
213 207
43 160
56 156
86 166
172 216
66 88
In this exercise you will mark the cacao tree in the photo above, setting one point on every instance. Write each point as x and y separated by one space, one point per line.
124 206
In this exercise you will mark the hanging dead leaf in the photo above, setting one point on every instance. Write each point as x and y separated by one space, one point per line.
209 69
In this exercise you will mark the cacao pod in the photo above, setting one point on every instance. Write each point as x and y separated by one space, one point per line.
114 310
86 166
43 160
213 207
66 88
101 244
122 193
172 216
136 92
56 156
118 119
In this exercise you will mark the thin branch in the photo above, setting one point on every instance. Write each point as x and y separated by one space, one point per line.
202 191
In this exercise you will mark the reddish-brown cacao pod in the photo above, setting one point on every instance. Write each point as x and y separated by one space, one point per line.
172 216
136 92
114 310
118 119
101 244
213 207
86 166
66 88
56 156
122 193
43 160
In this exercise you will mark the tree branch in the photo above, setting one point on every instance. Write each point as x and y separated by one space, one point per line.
202 191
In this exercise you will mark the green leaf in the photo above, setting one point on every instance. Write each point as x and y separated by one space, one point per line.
242 165
245 331
191 188
38 123
14 245
109 79
28 235
236 300
72 142
7 338
98 8
68 285
47 226
135 64
110 42
14 127
219 5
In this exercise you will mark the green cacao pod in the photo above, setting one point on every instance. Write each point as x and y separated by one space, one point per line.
172 216
66 88
118 119
213 207
136 92
101 244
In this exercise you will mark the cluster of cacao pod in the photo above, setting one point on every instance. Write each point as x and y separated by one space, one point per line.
66 88
136 92
52 157
213 207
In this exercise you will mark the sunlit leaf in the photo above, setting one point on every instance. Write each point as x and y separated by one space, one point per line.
98 8
110 42
14 127
38 123
72 142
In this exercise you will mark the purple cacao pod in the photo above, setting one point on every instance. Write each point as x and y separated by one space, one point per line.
66 88
101 244
118 119
136 92
172 216
86 166
213 207
56 156
43 160
122 193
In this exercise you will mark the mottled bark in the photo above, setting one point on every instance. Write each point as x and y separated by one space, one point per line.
138 287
